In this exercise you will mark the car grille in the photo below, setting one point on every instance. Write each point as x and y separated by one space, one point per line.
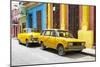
35 39
77 43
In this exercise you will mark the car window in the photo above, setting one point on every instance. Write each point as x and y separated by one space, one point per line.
64 34
29 30
53 33
42 32
61 34
47 33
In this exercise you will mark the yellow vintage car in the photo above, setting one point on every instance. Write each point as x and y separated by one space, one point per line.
60 40
28 36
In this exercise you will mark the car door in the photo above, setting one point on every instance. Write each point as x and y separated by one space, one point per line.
52 39
46 38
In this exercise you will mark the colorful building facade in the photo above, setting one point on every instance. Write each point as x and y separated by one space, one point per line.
36 17
22 19
15 27
80 20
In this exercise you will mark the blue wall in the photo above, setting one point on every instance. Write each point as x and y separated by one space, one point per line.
33 12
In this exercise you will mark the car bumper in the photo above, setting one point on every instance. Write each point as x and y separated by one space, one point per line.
33 41
74 48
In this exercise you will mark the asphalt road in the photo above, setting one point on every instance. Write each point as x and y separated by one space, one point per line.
22 55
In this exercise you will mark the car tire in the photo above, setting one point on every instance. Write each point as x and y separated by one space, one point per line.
79 51
60 50
42 46
27 43
19 42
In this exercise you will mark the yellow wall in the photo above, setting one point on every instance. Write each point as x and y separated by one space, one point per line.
63 16
85 17
84 33
87 36
50 16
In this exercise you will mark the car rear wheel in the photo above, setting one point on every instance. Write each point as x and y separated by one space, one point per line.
42 46
61 51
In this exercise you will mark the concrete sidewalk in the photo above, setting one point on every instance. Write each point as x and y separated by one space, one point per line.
90 51
15 38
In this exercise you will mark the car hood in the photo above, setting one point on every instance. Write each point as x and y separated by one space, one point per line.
72 39
35 34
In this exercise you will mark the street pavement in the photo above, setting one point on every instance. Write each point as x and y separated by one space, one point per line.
33 55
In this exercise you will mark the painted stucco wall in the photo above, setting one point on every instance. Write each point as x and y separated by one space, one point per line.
33 11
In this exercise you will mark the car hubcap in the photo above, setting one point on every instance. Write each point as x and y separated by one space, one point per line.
42 46
60 51
19 42
27 43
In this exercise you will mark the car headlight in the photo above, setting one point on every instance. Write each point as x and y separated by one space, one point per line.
70 44
83 43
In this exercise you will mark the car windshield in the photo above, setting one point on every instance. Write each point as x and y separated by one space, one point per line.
64 34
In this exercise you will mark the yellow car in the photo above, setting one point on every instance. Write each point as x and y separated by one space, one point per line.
60 40
28 36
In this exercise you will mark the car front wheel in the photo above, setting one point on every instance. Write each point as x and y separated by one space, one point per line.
42 46
27 43
78 51
61 51
19 42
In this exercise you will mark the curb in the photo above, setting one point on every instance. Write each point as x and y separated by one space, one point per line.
94 55
91 52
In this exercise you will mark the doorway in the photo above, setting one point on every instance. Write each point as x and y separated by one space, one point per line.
56 16
94 25
74 20
39 21
30 16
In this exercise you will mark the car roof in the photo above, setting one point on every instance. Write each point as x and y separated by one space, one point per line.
55 29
